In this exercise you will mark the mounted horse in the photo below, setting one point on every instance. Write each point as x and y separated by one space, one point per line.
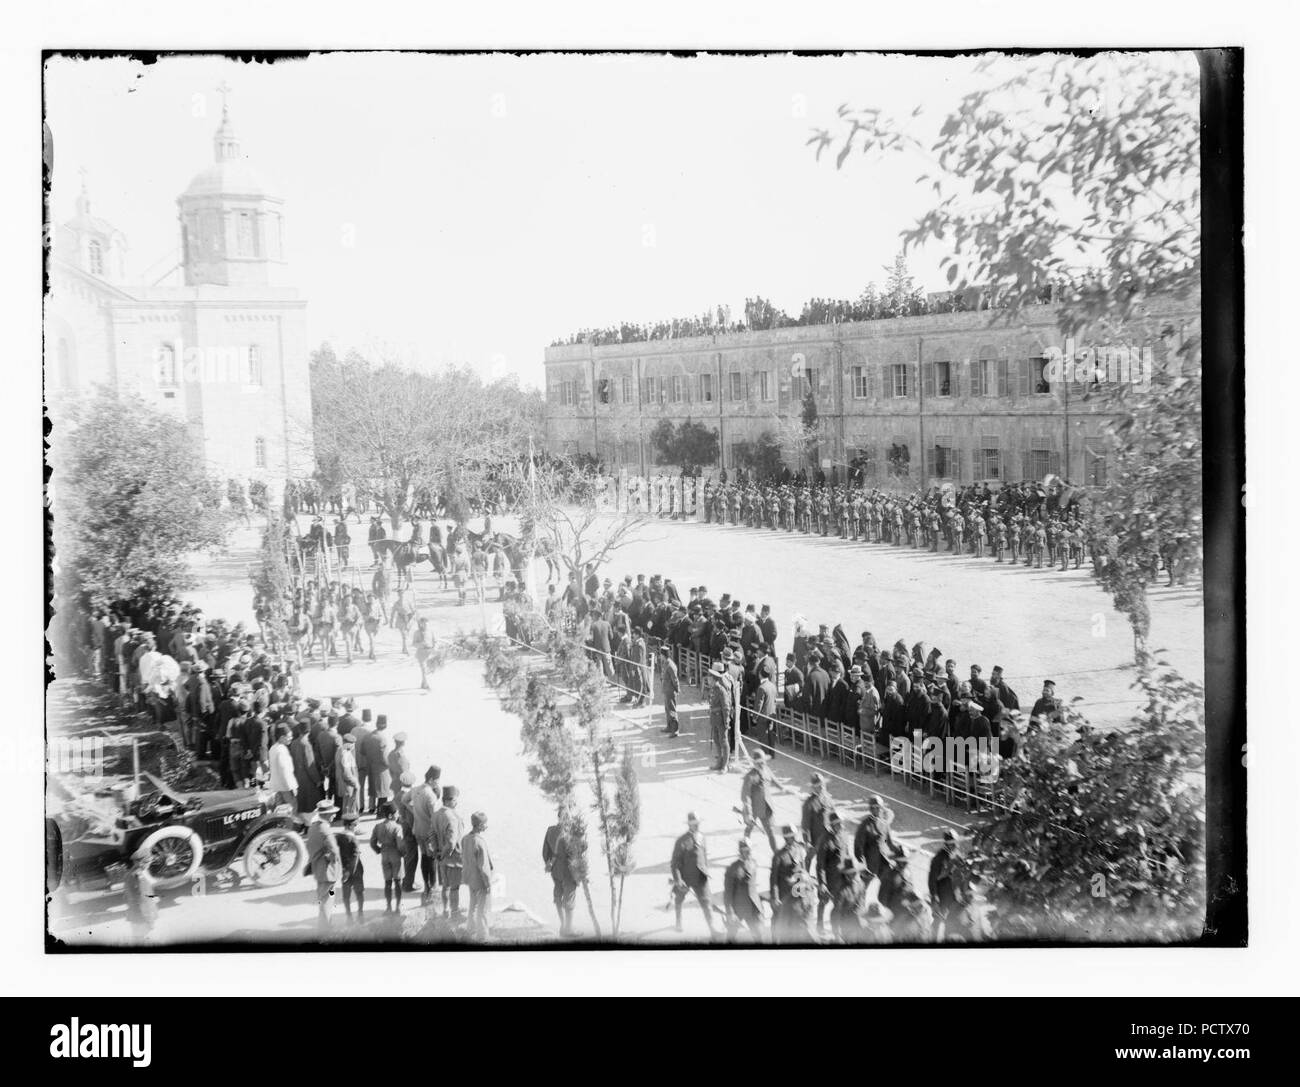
405 555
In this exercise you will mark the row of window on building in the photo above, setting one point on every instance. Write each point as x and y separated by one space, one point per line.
989 377
987 460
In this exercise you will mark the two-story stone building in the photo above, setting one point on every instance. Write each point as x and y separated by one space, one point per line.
956 396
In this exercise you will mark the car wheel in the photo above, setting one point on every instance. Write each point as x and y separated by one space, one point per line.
174 855
274 857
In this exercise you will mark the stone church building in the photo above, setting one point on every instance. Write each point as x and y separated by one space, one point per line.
218 341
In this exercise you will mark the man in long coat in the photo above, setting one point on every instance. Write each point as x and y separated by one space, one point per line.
670 684
307 771
324 860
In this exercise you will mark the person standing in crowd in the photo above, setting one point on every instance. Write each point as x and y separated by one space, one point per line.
306 770
352 873
425 800
360 733
283 782
448 845
689 868
478 875
720 715
555 857
1048 707
670 685
398 765
347 779
742 902
793 692
328 742
324 860
376 758
765 708
386 839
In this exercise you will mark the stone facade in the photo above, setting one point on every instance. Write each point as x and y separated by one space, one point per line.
967 396
223 347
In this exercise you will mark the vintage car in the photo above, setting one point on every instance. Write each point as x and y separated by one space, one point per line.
184 833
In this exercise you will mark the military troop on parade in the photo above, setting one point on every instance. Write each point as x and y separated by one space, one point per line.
1018 523
636 631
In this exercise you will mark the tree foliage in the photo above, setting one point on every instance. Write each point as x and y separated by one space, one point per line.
1080 175
688 444
401 430
1105 839
762 456
132 498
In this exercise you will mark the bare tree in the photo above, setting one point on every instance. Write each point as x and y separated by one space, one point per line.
403 431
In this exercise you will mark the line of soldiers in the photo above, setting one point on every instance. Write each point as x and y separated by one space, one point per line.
819 868
1011 527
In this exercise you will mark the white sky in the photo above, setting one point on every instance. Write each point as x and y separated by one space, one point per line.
472 209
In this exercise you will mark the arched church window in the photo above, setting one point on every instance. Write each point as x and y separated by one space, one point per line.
254 364
259 452
96 258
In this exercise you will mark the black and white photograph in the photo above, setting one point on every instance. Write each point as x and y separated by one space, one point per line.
623 498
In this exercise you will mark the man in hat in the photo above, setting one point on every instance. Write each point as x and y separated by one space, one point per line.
352 872
1002 689
283 781
374 754
741 895
306 769
448 851
830 857
875 836
347 779
755 803
425 800
398 765
362 731
555 856
847 906
386 839
816 816
949 894
1048 707
720 703
670 685
406 816
689 868
324 860
791 902
478 870
764 706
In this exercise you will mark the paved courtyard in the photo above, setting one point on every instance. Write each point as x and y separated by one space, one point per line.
1036 624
